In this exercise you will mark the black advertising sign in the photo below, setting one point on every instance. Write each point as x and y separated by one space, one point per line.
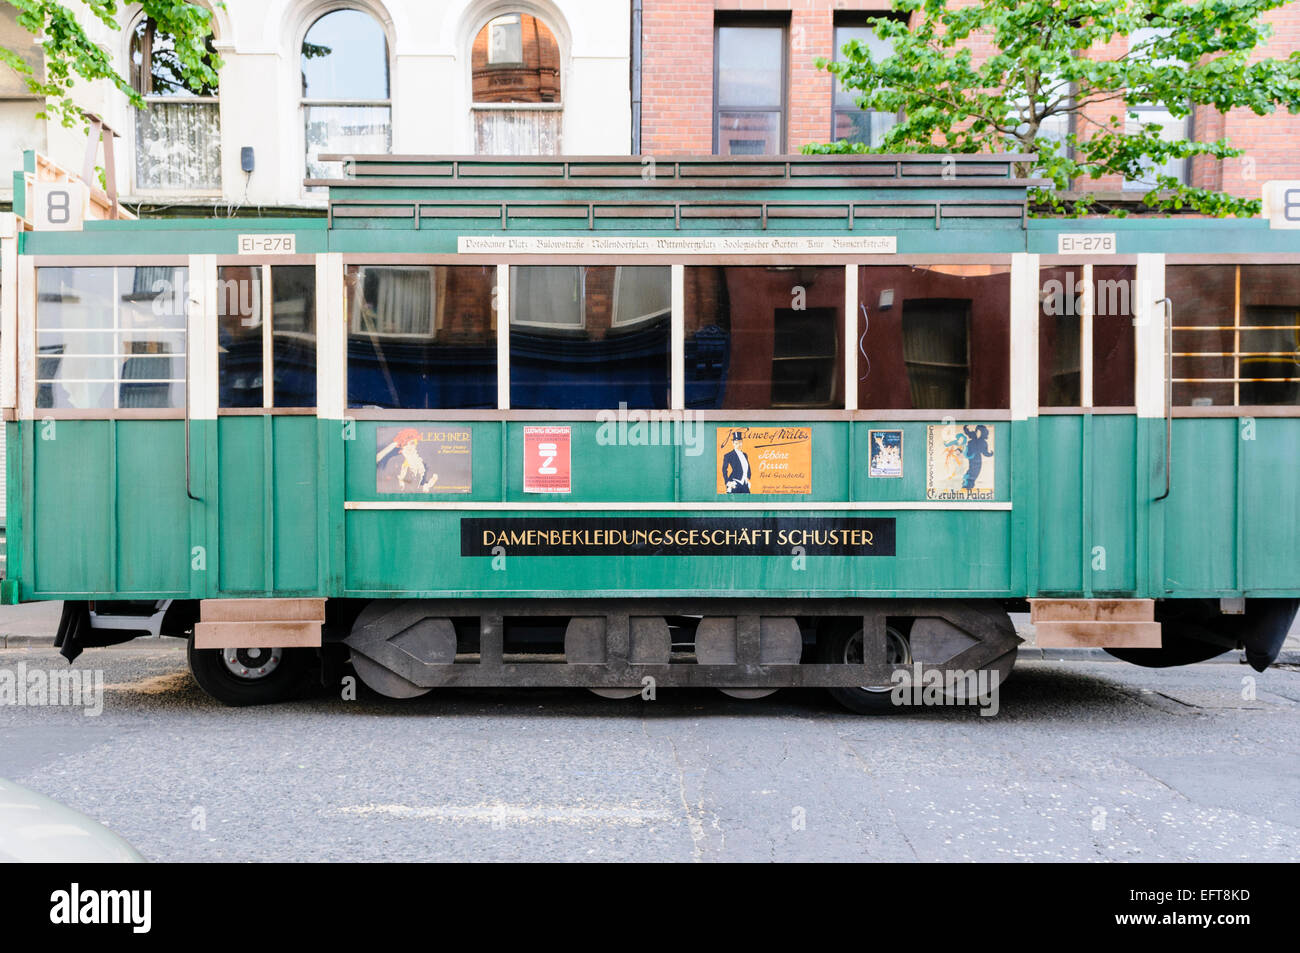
677 536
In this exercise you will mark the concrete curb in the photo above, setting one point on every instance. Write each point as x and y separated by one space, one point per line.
1028 653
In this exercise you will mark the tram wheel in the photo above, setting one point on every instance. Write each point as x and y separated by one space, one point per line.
843 644
240 677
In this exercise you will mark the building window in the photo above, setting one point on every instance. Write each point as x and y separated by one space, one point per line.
422 336
749 87
247 342
934 337
848 122
1171 127
515 77
571 349
345 90
110 338
178 133
1236 334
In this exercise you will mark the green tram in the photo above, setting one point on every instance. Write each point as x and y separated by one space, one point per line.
621 422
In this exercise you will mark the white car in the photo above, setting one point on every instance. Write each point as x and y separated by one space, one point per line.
35 829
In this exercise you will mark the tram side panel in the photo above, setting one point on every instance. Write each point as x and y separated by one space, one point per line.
428 544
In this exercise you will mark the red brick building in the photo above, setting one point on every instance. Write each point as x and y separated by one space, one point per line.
739 76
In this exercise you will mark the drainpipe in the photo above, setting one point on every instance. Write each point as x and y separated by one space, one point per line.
636 77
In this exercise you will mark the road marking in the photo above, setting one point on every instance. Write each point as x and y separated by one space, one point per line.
500 814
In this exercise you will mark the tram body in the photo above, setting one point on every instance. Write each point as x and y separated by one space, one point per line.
728 422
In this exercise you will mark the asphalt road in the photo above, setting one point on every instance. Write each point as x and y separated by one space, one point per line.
1084 761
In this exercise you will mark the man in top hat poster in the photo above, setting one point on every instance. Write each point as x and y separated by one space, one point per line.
735 466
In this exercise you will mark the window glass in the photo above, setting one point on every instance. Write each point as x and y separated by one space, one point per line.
1171 127
1114 356
851 123
934 337
109 338
345 89
1204 298
241 335
749 94
293 330
764 337
516 59
422 337
579 337
178 133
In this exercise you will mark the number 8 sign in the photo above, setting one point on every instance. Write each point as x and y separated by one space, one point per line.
57 206
546 460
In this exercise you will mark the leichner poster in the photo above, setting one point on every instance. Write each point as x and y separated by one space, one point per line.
764 460
423 459
959 462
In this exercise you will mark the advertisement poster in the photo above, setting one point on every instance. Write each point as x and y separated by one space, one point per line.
764 460
959 462
423 459
546 460
885 456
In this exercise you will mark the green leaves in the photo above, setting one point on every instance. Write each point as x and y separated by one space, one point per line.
70 54
1046 70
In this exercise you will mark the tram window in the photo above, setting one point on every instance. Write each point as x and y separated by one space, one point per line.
242 335
422 337
109 338
590 337
934 337
1061 334
1236 334
293 335
764 337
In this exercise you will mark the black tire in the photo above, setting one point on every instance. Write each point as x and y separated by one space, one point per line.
217 679
834 646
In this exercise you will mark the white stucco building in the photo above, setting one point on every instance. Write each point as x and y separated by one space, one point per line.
304 77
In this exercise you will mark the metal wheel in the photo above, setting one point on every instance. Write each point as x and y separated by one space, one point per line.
252 664
252 676
898 651
843 644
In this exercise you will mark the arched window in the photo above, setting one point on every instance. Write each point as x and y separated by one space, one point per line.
345 91
178 133
515 71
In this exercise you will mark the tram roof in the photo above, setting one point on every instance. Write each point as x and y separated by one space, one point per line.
934 203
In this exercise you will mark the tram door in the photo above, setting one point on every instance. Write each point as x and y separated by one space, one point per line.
1088 430
268 472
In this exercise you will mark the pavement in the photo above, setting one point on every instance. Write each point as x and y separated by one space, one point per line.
1083 761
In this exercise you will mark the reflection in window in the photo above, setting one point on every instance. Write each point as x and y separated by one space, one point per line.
109 338
243 335
421 337
867 127
749 89
345 90
591 337
1061 337
516 60
934 337
764 337
1236 334
178 133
